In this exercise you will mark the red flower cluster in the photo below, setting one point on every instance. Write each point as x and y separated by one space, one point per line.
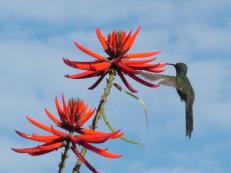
72 116
116 46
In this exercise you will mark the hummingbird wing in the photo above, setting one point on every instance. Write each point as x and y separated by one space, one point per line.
164 79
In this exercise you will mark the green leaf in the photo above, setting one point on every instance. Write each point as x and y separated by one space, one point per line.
135 97
108 124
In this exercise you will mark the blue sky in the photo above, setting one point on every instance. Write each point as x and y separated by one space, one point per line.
36 35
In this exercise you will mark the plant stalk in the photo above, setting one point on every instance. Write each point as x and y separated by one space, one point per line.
99 112
64 157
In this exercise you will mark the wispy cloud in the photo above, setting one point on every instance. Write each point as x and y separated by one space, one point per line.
36 35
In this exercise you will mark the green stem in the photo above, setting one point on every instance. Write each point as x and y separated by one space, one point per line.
76 169
64 157
108 124
99 112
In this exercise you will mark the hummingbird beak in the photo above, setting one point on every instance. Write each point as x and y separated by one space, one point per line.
171 64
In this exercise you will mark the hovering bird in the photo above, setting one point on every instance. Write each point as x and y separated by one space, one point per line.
183 87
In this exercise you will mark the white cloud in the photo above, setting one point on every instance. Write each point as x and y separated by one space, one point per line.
32 72
63 11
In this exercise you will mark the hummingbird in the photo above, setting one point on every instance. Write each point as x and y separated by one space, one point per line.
183 88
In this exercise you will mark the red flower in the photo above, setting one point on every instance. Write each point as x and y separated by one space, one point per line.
72 116
116 46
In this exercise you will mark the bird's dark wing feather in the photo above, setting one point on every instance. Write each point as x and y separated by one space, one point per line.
164 79
168 81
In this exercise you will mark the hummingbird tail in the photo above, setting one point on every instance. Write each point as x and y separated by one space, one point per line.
189 119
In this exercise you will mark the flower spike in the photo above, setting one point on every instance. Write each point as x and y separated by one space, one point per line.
116 46
72 116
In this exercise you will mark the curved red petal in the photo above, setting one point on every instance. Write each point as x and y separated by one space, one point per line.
162 64
115 135
102 152
89 131
142 54
131 39
86 74
40 148
143 81
129 62
60 110
156 70
83 160
58 133
39 138
86 117
96 66
126 69
82 108
66 114
126 39
97 138
114 40
41 152
111 39
72 63
89 52
126 82
101 38
52 117
144 66
51 146
26 150
99 66
98 81
38 124
123 36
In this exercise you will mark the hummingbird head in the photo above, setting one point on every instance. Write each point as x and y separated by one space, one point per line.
180 67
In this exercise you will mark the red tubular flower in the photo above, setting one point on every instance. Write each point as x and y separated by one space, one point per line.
116 46
72 116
